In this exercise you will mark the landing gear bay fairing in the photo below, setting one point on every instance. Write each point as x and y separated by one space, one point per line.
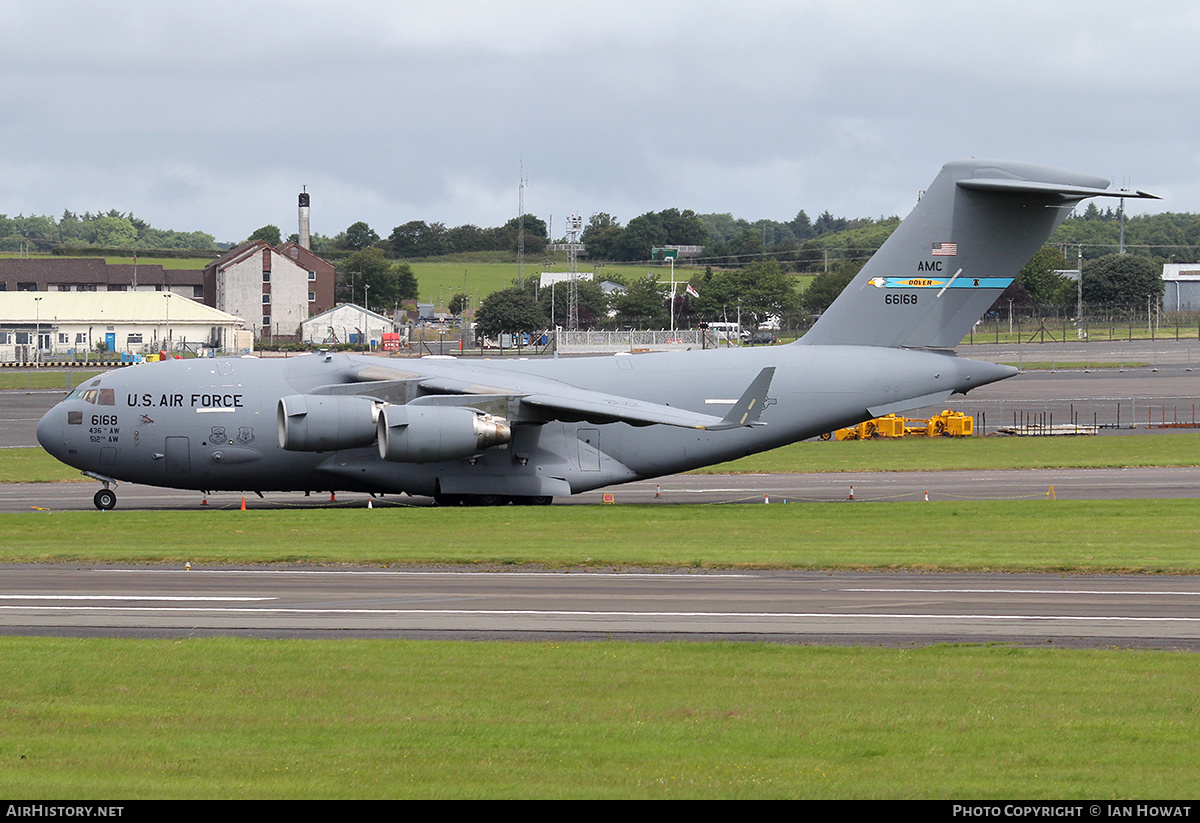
526 431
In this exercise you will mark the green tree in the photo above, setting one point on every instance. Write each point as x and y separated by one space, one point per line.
417 238
758 291
510 310
644 301
746 246
505 237
359 236
115 233
389 282
601 236
406 281
825 287
1042 284
1122 280
458 304
268 234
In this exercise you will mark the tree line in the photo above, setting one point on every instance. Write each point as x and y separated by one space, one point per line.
110 230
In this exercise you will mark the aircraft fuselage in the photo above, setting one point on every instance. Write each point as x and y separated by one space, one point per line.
212 423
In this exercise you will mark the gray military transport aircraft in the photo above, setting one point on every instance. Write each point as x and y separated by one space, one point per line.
526 431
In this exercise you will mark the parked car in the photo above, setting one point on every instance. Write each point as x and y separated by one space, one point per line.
761 338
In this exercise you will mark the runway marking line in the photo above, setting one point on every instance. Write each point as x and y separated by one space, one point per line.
125 597
402 573
563 613
1019 591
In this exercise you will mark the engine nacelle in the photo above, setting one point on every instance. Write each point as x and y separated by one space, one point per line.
431 434
325 422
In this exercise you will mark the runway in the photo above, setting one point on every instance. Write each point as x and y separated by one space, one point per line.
800 607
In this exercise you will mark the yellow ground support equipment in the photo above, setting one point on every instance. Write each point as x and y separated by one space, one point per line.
946 424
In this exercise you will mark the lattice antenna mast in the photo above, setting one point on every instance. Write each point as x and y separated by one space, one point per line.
574 228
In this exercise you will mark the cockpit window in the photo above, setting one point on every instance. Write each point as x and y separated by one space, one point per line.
89 396
107 397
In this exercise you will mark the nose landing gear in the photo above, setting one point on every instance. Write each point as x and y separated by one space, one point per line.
105 499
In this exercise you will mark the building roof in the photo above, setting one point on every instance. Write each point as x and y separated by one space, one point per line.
1181 271
237 254
83 270
305 257
109 307
316 318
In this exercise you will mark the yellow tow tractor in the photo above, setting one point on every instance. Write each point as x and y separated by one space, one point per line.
946 424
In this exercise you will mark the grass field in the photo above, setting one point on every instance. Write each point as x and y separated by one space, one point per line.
1153 536
223 718
29 379
438 282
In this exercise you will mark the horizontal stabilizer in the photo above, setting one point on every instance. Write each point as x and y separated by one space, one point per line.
1066 192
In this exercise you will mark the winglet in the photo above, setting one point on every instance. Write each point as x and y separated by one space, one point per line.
749 407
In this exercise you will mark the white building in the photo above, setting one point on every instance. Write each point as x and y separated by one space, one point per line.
346 323
549 278
1181 283
264 286
68 324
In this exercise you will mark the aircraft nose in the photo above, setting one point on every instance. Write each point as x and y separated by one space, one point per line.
49 430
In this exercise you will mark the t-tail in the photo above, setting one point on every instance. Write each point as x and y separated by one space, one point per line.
969 236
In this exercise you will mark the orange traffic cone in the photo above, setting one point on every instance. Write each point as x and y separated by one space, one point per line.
243 502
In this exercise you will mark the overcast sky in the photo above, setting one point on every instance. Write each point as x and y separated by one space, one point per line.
210 116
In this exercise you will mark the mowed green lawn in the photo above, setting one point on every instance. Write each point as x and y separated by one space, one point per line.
1021 535
122 719
438 282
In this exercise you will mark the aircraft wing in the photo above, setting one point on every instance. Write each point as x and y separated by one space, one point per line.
545 400
593 406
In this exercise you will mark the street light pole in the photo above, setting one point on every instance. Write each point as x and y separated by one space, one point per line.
367 315
37 331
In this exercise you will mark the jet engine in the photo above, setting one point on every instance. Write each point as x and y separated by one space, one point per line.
318 423
430 434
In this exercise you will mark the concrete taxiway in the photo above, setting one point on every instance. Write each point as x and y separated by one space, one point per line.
830 487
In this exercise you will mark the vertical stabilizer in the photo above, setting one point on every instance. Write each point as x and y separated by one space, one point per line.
971 233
